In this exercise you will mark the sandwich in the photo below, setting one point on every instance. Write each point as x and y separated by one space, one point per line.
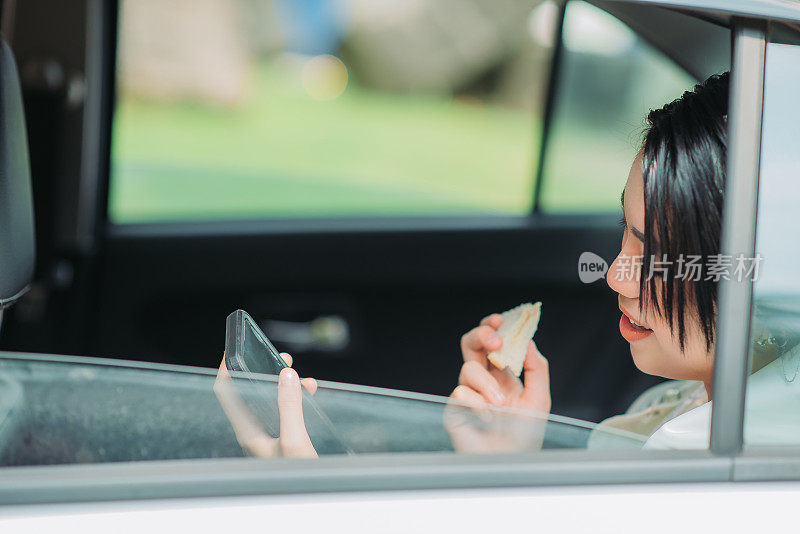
519 325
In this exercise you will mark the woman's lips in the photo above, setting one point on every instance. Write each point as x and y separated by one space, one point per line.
630 331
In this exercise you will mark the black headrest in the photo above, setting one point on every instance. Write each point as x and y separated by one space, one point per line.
17 245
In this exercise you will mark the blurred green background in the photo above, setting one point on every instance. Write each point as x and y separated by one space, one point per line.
279 108
282 152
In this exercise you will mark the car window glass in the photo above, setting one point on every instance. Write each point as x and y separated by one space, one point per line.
55 412
273 108
609 78
773 388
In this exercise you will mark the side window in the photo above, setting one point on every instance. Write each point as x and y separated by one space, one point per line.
276 108
773 387
609 79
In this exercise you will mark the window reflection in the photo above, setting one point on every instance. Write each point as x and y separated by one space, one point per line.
72 411
773 389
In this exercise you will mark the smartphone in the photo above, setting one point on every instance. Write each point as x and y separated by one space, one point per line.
248 351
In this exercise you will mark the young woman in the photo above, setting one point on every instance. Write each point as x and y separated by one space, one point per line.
672 213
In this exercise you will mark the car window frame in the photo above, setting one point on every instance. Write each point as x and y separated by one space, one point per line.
552 95
371 472
94 197
738 233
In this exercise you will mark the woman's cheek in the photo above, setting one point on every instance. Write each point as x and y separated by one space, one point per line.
664 338
660 353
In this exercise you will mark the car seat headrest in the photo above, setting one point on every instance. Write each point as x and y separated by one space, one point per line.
17 241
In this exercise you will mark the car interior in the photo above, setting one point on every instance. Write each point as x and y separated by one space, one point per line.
377 299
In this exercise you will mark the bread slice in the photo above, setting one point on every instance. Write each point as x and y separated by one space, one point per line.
519 325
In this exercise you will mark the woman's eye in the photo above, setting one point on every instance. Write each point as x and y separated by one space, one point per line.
622 222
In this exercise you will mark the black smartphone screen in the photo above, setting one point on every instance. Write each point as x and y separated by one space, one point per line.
248 351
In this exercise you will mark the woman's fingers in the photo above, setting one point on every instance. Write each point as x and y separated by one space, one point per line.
494 320
469 397
310 384
466 438
223 373
510 384
536 395
245 425
479 340
477 377
294 439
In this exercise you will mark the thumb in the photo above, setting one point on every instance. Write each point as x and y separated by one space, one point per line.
536 395
294 439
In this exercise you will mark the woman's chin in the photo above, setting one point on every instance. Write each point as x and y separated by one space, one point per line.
647 358
653 358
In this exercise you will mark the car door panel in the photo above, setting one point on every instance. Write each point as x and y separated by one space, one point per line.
407 296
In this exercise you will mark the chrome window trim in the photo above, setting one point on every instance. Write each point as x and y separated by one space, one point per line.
761 463
379 472
738 233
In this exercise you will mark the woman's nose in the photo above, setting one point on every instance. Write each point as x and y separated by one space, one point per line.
623 275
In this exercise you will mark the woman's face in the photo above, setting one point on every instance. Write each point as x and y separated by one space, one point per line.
655 350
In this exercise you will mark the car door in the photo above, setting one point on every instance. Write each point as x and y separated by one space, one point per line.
366 200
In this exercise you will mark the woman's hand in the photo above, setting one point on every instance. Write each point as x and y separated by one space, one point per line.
293 441
482 385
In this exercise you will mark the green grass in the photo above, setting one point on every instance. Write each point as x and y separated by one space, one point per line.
586 169
282 153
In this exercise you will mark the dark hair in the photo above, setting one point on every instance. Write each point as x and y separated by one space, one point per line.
683 167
